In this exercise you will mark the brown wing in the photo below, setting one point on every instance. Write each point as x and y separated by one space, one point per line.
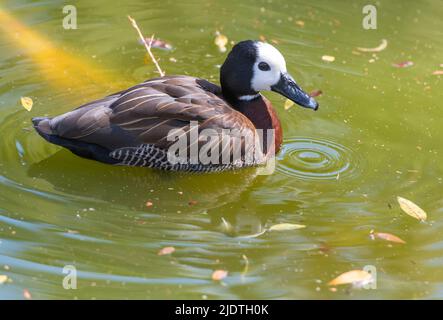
146 114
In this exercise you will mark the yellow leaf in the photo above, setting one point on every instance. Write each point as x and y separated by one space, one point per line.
353 276
27 103
221 41
412 209
288 104
3 278
286 226
328 58
383 45
387 237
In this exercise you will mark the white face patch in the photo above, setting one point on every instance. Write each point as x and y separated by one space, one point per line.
264 79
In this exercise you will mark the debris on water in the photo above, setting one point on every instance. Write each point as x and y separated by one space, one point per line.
403 64
27 103
172 59
192 202
412 209
220 41
316 93
300 23
437 72
328 58
383 45
357 278
149 204
286 226
288 104
385 236
157 43
166 250
27 294
218 275
3 278
226 226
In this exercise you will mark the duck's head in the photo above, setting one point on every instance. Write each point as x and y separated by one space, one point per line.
254 66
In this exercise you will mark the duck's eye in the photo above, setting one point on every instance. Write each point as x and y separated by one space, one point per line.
263 66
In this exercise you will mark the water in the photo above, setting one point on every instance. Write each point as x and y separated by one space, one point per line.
377 135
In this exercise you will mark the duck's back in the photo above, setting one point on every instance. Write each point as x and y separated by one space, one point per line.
131 127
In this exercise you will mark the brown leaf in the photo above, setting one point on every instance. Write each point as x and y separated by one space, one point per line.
315 93
381 47
27 294
166 250
300 23
353 276
192 202
412 209
218 275
437 72
26 103
149 204
387 237
158 44
403 64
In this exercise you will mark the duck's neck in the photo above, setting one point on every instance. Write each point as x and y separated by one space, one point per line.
263 116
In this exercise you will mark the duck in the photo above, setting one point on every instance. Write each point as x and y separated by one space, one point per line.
142 126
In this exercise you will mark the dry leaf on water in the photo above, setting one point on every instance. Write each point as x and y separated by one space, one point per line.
412 209
356 277
3 278
437 72
315 93
286 226
166 250
149 204
383 45
157 43
27 294
288 104
403 64
221 41
218 275
328 58
26 103
387 237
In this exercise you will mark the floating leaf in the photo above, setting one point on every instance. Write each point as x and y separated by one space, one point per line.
383 45
412 209
218 275
3 278
386 236
315 93
356 277
27 294
437 72
149 204
300 23
286 226
166 250
192 202
288 104
221 41
158 44
328 58
403 64
26 103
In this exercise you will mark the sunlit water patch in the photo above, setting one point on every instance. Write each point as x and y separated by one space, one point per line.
316 159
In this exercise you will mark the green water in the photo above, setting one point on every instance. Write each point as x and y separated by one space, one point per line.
376 136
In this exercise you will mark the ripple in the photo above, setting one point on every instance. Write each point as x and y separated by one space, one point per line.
316 159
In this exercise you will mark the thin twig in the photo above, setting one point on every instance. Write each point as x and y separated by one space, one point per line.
147 46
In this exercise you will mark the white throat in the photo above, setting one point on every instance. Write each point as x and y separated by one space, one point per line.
249 97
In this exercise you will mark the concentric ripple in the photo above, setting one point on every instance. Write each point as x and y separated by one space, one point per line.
316 159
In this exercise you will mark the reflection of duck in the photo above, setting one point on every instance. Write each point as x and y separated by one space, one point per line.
131 127
136 185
